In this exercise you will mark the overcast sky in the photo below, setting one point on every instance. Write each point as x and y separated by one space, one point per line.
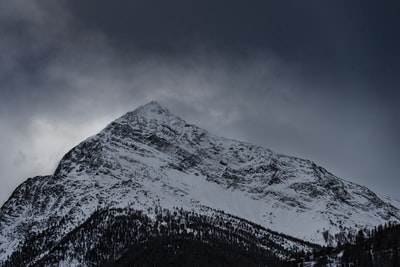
314 79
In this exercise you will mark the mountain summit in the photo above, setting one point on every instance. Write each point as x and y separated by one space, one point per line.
148 163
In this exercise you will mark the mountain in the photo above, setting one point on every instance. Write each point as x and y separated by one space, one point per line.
149 164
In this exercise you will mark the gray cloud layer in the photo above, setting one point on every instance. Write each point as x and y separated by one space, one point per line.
312 81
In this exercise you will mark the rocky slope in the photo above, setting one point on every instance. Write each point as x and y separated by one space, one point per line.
150 157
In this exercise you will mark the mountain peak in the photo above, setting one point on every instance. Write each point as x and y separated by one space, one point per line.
150 111
152 107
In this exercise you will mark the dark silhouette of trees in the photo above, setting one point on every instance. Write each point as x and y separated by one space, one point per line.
118 236
378 247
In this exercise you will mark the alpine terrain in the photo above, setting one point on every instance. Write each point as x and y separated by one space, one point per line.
150 181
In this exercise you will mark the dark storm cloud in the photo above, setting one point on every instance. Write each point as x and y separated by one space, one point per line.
344 37
315 79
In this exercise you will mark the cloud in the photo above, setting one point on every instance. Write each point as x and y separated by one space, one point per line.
62 81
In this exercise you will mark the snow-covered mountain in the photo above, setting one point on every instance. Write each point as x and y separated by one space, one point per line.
150 160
